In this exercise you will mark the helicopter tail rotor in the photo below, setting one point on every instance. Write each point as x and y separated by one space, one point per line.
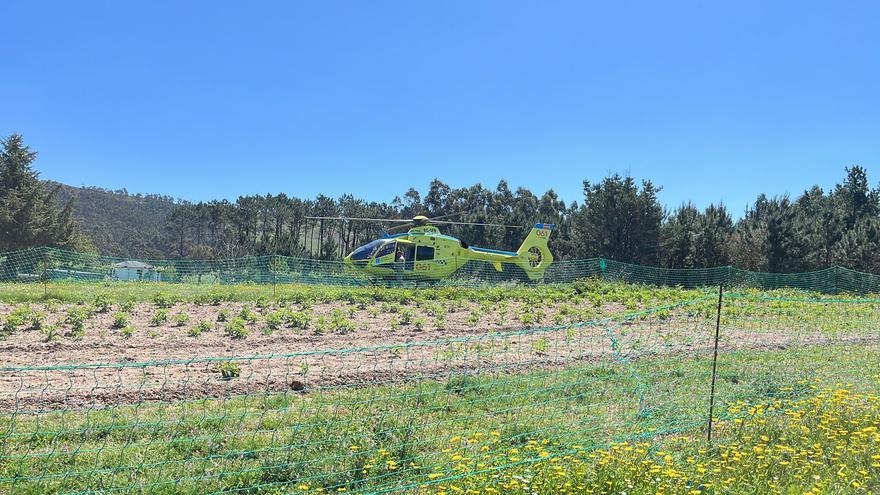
534 256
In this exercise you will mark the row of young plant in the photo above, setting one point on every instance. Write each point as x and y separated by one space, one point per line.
578 302
238 323
593 290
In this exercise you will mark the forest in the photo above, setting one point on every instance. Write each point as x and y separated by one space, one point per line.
617 218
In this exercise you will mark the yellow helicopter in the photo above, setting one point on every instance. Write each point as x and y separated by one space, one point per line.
423 252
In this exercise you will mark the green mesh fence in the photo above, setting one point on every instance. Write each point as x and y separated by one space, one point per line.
47 265
420 416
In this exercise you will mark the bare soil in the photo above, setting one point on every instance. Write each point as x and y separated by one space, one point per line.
164 363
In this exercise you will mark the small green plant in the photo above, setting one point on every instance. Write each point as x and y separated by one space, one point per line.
340 323
127 306
159 317
37 320
76 317
395 324
440 321
163 301
559 319
228 370
419 323
372 311
298 319
120 320
181 319
236 328
274 320
127 331
541 345
321 325
223 315
248 315
77 331
50 333
102 303
474 317
529 316
406 316
201 327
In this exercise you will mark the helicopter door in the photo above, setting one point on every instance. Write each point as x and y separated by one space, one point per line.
424 258
409 252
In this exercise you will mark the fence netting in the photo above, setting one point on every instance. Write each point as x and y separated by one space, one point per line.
49 264
422 415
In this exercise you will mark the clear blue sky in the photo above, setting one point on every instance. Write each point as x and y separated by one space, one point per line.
715 101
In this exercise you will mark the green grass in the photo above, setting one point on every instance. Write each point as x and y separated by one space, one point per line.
326 437
382 435
166 293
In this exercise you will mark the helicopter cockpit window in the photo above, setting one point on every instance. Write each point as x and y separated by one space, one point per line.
424 253
364 252
388 248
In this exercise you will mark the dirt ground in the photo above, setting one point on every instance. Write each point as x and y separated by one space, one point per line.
164 363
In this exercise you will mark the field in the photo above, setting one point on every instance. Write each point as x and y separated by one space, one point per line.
588 387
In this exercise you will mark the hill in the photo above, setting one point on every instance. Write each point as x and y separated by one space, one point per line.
119 223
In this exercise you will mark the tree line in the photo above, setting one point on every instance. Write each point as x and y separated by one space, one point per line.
618 218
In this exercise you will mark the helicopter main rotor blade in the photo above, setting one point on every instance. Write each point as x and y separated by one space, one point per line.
399 227
479 224
448 215
398 220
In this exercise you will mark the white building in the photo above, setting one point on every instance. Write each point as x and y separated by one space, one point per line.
134 270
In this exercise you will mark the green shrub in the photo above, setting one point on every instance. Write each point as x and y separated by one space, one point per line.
160 317
50 333
340 323
419 323
163 300
274 320
406 316
236 328
102 303
200 328
127 306
298 319
76 317
120 320
11 324
181 319
223 315
228 370
248 315
474 317
127 331
37 319
321 325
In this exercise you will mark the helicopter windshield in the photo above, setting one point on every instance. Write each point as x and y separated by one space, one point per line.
364 252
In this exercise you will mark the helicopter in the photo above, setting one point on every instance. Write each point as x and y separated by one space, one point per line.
423 252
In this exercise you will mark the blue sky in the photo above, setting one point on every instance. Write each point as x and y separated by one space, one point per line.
715 101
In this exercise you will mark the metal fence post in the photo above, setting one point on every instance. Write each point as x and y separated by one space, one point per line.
274 274
715 361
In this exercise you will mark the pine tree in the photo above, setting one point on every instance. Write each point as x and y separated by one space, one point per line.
620 220
29 212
